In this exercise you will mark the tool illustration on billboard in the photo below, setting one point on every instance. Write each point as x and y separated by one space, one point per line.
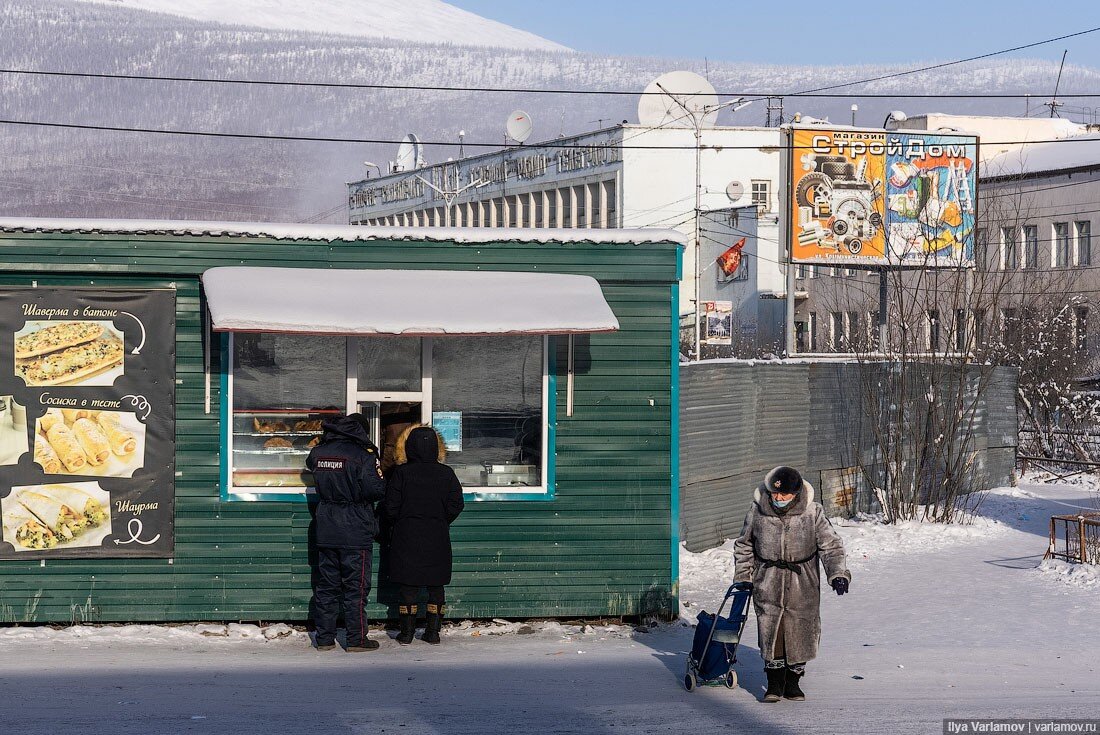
838 196
932 184
87 425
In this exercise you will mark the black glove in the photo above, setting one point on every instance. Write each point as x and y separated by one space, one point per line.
744 586
840 584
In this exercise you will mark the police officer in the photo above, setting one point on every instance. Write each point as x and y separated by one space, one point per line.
349 481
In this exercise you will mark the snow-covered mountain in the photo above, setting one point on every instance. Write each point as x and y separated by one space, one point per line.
419 21
84 173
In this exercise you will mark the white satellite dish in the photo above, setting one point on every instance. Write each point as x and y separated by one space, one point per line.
520 126
735 190
409 154
665 99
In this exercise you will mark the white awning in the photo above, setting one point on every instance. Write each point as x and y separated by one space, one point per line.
406 302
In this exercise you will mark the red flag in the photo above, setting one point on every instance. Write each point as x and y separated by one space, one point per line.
730 260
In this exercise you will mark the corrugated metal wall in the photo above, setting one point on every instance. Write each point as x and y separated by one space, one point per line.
602 546
740 419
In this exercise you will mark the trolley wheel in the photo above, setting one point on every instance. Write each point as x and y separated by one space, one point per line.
690 682
731 679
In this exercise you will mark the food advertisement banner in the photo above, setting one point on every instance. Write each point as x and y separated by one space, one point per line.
882 198
87 422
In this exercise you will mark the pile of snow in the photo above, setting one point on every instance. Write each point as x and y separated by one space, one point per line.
154 633
867 538
1075 575
421 21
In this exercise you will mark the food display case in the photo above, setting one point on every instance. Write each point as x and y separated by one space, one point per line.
270 446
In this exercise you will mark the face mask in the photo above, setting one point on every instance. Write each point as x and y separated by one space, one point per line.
781 503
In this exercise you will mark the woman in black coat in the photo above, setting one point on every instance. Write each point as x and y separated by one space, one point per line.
423 498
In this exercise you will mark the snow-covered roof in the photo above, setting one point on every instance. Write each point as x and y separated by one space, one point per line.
319 233
1082 151
405 302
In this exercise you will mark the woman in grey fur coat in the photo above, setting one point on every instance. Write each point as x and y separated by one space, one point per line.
786 533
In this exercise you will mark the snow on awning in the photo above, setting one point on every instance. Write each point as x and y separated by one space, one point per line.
405 302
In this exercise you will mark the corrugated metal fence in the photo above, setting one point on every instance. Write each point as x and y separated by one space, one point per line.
740 419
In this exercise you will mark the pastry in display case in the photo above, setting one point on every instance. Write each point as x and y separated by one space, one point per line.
270 446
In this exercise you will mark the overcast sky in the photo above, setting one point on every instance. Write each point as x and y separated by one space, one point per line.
801 32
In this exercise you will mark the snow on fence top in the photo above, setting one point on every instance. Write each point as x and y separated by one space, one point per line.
322 233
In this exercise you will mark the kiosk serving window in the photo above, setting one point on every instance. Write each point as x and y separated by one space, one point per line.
487 397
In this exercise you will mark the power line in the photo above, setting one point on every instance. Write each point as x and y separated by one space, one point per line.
455 144
817 92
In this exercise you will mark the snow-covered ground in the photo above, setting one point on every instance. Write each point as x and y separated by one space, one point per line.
960 622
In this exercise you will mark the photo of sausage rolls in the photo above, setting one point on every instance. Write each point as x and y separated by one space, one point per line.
46 455
102 443
69 353
68 449
43 517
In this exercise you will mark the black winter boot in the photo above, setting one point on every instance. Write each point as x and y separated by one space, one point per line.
408 624
776 683
432 624
790 689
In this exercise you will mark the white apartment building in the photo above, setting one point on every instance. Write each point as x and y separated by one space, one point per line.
624 176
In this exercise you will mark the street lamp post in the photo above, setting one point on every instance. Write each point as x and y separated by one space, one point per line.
696 116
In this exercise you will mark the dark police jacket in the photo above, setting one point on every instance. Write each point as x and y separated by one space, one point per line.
349 481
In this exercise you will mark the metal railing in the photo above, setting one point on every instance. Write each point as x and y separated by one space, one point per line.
1075 538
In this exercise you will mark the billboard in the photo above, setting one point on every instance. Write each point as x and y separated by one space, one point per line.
876 197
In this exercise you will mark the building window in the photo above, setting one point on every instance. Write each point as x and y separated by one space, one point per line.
567 207
580 205
979 327
933 330
1084 243
981 250
1031 246
1010 249
836 331
813 331
552 208
800 270
1061 245
612 203
811 271
761 194
1081 329
595 210
488 392
1010 327
854 332
960 330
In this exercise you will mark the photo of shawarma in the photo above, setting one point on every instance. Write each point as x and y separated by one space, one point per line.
68 353
43 517
88 442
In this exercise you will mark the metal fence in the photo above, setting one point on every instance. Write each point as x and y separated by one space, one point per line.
739 419
1075 538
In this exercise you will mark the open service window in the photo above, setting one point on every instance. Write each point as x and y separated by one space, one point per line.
487 396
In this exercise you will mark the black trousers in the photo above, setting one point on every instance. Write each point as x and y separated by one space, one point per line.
343 582
436 595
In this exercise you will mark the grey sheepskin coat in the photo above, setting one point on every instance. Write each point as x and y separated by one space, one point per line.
782 596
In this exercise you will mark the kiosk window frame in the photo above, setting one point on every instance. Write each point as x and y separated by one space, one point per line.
355 396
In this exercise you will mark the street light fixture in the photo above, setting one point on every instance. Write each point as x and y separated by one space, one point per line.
696 116
368 164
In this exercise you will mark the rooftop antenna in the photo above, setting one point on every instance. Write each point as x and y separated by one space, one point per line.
519 126
678 99
1054 104
775 104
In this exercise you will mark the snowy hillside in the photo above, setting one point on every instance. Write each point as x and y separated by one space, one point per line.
420 21
54 172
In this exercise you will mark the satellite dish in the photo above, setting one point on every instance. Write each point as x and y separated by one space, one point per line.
665 99
735 190
520 126
409 154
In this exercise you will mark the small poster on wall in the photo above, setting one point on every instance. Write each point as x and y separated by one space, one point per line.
87 422
449 426
717 322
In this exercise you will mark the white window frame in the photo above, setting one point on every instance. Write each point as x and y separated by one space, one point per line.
766 204
354 396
